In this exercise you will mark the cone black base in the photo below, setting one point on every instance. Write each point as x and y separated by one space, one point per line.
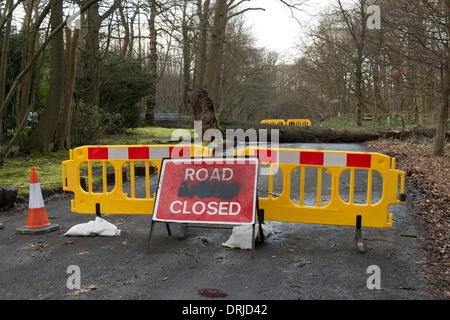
40 230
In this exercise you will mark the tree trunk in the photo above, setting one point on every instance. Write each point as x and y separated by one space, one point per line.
63 137
215 49
203 13
91 83
153 59
441 126
359 98
186 59
126 28
358 37
332 135
45 130
203 109
3 60
23 95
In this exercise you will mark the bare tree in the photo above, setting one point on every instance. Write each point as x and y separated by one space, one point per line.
4 54
357 30
91 54
153 59
43 134
203 12
72 42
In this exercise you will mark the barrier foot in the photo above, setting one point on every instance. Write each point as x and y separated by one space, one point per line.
97 210
358 236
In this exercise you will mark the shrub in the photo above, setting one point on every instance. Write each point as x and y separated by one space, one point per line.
90 121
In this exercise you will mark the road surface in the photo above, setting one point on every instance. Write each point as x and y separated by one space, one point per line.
298 261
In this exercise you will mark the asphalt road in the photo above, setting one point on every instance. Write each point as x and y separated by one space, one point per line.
298 261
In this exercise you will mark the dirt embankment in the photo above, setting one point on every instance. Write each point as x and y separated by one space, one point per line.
428 189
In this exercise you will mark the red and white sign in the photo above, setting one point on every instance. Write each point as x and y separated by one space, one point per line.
208 190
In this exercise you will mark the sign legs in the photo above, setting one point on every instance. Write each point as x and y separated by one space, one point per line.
150 235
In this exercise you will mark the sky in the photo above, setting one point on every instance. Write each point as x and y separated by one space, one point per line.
276 30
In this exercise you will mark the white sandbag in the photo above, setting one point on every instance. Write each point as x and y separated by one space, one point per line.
241 236
99 227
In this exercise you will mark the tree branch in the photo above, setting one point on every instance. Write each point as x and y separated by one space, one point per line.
8 15
242 11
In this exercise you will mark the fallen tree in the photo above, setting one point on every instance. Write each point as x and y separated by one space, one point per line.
329 135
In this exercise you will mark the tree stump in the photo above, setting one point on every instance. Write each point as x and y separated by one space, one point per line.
203 109
8 196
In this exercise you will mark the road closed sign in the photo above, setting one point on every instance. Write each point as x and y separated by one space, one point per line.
207 190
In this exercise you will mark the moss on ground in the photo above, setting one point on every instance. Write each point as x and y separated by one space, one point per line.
16 170
142 135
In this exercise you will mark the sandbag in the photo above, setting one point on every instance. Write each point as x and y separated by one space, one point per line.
97 227
241 236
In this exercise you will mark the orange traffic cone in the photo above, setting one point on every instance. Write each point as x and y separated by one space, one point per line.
37 221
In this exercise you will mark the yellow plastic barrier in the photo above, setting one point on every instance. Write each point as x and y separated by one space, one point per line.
333 175
322 187
90 168
273 121
299 122
289 122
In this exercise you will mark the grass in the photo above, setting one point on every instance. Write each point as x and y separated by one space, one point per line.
142 135
348 121
16 170
155 131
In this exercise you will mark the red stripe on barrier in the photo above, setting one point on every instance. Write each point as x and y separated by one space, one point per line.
314 158
359 160
99 153
138 153
180 152
267 155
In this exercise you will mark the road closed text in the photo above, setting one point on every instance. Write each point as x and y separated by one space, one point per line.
211 208
231 208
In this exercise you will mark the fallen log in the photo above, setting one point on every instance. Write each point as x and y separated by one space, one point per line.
330 135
